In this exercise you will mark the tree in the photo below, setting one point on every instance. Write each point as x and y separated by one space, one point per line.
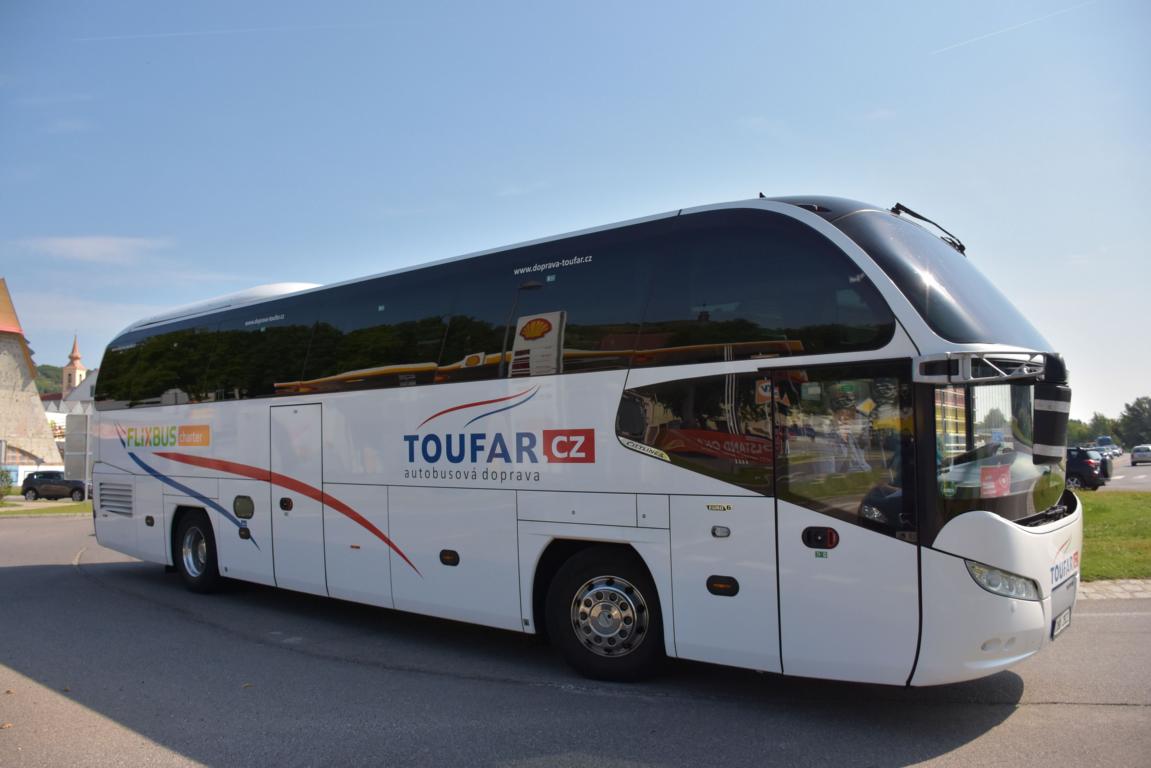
994 420
49 379
1134 426
1078 432
1100 425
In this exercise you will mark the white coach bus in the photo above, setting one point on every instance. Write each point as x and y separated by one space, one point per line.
799 435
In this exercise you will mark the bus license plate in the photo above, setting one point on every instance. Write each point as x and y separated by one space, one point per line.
1062 622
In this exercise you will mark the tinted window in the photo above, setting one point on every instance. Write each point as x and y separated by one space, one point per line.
171 365
954 297
718 426
261 349
384 332
562 307
744 284
847 447
114 384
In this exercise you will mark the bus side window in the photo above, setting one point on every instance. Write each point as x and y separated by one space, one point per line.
261 349
846 435
743 284
171 367
717 425
567 306
385 332
114 384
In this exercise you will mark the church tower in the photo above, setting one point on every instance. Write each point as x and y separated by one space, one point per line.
74 372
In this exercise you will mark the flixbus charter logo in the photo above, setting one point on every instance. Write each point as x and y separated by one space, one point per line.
170 436
465 454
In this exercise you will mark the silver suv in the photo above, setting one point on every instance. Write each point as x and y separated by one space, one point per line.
1140 453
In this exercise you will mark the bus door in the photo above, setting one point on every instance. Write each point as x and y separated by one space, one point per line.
848 557
296 507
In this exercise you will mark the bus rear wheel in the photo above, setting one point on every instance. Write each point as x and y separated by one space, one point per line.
196 552
603 614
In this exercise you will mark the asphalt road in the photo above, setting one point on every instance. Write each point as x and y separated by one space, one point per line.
107 661
1125 477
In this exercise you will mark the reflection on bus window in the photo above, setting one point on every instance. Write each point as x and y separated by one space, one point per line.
738 285
259 347
846 434
718 426
983 453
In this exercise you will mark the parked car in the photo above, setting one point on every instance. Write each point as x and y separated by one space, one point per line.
52 485
1087 468
1139 454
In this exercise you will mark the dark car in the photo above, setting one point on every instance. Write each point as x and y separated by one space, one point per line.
52 485
1087 468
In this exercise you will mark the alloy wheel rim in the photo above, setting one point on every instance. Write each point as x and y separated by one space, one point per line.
609 616
194 552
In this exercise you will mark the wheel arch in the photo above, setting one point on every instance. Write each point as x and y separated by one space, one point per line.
178 514
559 550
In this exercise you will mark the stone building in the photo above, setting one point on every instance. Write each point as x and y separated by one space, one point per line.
24 431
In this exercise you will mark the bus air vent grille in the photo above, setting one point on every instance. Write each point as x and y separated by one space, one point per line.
116 498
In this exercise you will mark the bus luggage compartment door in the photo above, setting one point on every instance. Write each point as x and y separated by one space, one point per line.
724 580
297 517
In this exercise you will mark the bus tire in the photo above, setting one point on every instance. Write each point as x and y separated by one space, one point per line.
603 614
195 552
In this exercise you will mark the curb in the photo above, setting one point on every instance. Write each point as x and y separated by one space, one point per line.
1121 589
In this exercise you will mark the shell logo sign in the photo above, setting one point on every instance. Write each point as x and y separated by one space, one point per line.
536 328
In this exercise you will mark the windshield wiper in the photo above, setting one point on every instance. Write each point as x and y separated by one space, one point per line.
948 238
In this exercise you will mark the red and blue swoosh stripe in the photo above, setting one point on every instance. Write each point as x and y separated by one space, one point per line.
190 492
518 397
255 473
275 478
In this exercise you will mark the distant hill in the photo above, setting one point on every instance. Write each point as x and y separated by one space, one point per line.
49 379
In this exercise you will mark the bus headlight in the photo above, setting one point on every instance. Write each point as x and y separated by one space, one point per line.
1002 582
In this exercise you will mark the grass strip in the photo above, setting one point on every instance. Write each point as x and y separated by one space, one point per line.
47 509
1116 535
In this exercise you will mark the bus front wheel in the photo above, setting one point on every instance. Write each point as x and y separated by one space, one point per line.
603 614
196 552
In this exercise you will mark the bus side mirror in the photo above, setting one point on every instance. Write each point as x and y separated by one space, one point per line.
1052 409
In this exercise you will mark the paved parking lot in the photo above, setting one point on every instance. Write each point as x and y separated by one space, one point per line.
1125 477
111 662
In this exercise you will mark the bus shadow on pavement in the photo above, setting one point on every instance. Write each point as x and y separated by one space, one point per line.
107 636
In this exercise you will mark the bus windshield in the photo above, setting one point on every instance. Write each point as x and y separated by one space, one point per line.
953 296
983 453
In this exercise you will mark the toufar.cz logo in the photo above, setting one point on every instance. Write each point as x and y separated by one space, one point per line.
467 453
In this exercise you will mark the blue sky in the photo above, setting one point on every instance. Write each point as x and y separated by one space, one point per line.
156 154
